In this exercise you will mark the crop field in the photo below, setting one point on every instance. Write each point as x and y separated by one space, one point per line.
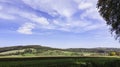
60 62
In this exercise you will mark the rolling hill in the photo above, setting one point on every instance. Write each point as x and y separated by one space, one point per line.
37 50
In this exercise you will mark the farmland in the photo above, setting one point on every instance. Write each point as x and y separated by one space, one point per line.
60 62
40 56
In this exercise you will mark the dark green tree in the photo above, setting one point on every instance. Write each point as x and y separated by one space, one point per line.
110 11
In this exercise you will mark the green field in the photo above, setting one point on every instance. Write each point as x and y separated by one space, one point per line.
60 62
40 56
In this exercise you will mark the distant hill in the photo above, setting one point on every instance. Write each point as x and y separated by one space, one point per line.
34 50
37 50
4 49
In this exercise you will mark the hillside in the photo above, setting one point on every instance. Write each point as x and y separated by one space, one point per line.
37 50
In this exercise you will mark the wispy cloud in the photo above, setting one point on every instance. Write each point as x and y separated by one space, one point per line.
63 15
1 7
64 8
6 16
84 6
53 22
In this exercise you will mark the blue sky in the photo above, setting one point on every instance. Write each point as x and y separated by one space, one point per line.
54 23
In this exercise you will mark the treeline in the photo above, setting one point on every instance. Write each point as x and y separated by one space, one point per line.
95 50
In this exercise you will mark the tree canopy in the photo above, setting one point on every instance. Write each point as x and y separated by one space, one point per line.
110 11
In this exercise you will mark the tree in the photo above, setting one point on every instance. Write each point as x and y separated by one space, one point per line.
28 50
110 11
112 53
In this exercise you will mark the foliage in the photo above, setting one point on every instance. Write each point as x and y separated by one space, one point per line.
113 53
110 11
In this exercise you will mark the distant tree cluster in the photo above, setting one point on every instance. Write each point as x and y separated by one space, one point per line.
114 53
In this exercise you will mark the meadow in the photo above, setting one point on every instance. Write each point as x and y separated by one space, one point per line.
60 62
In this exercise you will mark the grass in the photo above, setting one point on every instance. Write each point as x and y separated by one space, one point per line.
57 61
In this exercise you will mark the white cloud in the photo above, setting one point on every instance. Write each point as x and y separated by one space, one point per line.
6 16
63 7
41 20
34 18
83 6
16 12
91 13
94 27
26 28
70 15
78 23
1 7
